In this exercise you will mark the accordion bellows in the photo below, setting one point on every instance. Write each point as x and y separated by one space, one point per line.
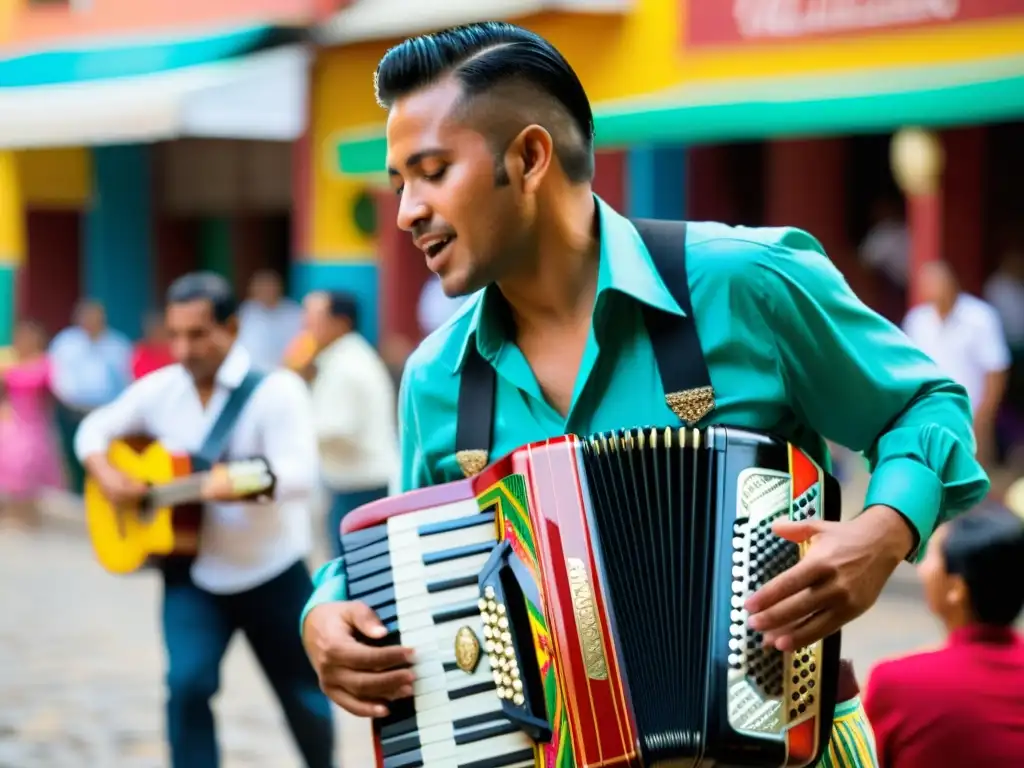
580 603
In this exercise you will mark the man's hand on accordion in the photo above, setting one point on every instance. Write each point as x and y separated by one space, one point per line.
355 675
840 577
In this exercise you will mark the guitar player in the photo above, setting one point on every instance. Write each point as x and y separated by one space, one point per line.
249 573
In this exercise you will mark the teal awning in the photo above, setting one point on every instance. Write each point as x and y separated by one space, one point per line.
866 101
82 63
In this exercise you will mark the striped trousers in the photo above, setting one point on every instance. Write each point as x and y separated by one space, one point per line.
853 742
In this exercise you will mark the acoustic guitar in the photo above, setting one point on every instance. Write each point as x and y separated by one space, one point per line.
165 523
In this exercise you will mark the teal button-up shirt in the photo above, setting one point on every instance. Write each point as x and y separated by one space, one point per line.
789 348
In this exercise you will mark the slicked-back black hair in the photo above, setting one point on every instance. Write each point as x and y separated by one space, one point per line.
985 547
205 286
485 55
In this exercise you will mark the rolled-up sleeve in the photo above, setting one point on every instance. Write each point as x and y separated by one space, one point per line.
856 379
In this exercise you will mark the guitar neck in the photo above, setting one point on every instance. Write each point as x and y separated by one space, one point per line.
187 490
244 477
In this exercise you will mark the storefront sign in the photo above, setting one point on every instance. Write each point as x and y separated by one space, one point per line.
724 22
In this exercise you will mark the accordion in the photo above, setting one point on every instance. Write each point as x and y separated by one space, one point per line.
580 603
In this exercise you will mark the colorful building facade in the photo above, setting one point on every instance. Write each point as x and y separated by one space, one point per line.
235 135
672 82
136 142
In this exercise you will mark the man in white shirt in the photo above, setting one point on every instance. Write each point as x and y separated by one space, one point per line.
249 573
268 321
964 336
354 409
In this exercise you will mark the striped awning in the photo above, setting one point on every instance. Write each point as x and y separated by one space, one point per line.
385 19
865 101
261 95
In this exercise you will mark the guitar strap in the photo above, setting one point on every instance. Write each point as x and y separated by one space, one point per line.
216 442
674 340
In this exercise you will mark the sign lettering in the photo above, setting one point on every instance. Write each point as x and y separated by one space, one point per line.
725 22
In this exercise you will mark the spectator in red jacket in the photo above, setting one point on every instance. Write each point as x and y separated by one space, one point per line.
962 705
153 352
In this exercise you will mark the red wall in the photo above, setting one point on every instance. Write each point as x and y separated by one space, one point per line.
50 281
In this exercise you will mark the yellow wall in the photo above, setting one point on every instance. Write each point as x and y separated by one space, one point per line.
342 97
12 230
640 53
55 178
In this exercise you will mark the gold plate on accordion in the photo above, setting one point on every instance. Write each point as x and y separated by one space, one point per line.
763 682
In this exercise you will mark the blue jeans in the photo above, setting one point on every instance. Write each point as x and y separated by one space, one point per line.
343 502
199 625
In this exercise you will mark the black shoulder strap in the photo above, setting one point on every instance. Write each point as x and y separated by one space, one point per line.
216 441
477 390
674 339
677 350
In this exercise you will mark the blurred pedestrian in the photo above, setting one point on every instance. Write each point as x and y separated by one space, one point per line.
353 407
961 705
268 321
90 365
153 352
964 336
29 452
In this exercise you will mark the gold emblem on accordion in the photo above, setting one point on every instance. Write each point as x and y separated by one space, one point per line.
467 650
587 624
471 462
692 405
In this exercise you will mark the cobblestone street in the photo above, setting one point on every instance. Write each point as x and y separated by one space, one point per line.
81 665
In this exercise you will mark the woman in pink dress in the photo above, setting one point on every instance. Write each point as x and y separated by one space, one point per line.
29 458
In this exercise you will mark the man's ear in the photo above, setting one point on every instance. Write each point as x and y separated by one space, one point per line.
529 157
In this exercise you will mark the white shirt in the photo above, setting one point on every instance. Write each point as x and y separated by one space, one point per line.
435 307
242 545
266 332
354 405
967 346
1006 294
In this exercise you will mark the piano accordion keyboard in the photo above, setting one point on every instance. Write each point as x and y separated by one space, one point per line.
420 571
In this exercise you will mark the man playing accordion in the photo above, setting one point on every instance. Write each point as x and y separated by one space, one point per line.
490 148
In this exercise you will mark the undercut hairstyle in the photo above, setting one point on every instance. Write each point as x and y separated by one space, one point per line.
205 286
985 547
510 77
343 305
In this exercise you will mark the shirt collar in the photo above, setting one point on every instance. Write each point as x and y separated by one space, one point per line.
625 267
975 634
234 368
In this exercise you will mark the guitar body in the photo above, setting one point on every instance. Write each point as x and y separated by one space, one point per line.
127 539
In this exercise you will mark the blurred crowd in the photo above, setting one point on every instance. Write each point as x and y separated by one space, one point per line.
48 386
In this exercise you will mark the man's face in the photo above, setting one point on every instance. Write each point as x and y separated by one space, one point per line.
470 228
198 342
318 319
937 285
93 319
265 289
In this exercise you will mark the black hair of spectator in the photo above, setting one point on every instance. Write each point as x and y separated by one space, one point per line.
344 305
205 286
485 58
985 547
